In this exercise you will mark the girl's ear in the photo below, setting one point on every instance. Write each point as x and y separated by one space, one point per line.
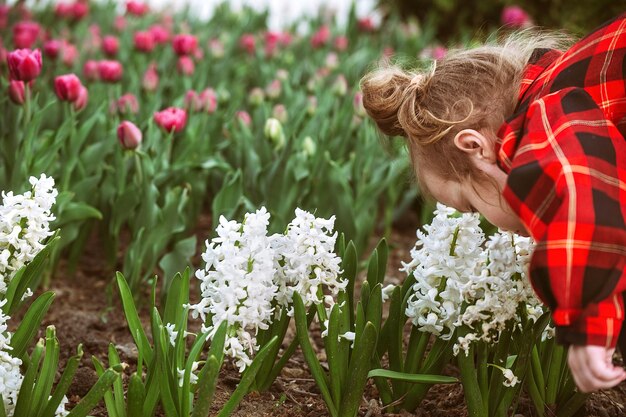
476 145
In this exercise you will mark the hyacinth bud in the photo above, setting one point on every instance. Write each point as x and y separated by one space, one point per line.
216 47
150 80
184 44
90 70
82 100
340 86
185 65
172 119
274 132
129 135
192 101
25 34
311 107
110 45
357 104
17 92
341 43
52 48
256 96
208 100
274 89
248 43
144 41
67 87
308 146
244 118
24 64
515 17
110 71
279 112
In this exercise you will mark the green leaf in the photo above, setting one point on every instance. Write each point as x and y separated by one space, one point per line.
207 382
178 258
336 369
136 396
77 212
29 326
132 318
383 252
43 385
25 396
349 265
414 378
64 383
95 394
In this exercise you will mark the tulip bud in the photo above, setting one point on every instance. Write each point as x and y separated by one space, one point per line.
79 10
4 16
367 24
332 60
17 92
90 70
357 104
282 74
185 65
160 34
321 37
24 64
248 43
127 104
341 43
308 146
274 89
192 101
110 45
311 108
144 41
136 8
110 71
82 100
119 23
244 118
52 48
70 53
515 16
172 119
208 100
129 135
150 80
25 34
256 96
279 112
216 47
274 132
184 44
67 87
340 86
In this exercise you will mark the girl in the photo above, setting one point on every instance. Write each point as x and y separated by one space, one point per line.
533 138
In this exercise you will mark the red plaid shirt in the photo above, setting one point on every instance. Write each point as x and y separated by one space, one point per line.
564 150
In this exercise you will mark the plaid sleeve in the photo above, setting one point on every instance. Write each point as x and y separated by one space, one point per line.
568 185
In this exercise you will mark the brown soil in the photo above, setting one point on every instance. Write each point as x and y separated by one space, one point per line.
87 310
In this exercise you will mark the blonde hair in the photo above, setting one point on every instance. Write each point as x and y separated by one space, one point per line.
474 88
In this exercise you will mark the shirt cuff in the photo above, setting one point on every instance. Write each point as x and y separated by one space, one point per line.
596 331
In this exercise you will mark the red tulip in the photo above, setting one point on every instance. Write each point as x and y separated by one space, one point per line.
248 43
90 70
208 100
83 97
159 34
67 87
185 65
110 71
129 135
366 24
150 81
110 45
184 44
24 64
137 8
17 92
52 48
144 41
25 34
515 16
172 119
321 37
79 10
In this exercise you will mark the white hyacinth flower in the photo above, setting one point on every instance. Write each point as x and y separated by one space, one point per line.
510 380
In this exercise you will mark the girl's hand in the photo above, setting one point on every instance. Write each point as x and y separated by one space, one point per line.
593 369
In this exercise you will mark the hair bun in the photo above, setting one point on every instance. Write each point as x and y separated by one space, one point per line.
384 92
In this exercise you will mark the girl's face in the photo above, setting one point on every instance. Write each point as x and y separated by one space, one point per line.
483 196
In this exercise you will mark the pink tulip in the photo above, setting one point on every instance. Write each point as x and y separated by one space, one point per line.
67 87
4 16
82 100
110 71
192 101
248 43
341 43
185 65
52 48
110 45
184 44
63 10
160 34
90 70
274 89
17 92
172 119
150 81
24 64
137 8
144 41
515 16
119 24
25 34
244 118
208 100
321 37
80 9
70 53
127 104
129 135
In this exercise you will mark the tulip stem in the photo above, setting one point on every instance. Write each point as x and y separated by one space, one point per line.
138 167
27 107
